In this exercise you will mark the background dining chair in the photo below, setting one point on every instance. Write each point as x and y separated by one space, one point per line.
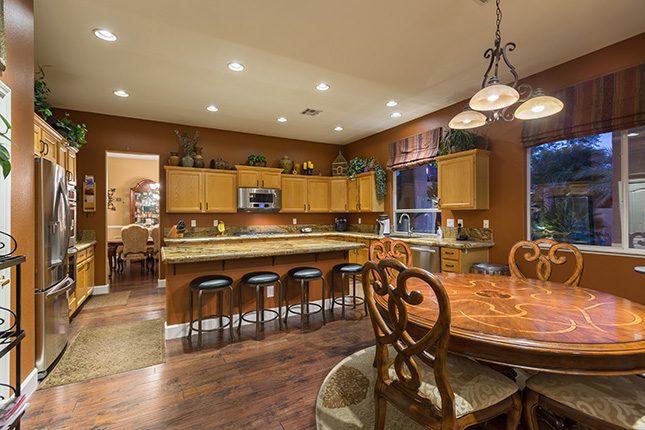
153 253
135 244
434 388
546 252
600 402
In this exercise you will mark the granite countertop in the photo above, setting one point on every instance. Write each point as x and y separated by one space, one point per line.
413 240
84 244
228 251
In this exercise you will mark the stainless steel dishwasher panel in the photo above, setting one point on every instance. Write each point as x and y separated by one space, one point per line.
426 257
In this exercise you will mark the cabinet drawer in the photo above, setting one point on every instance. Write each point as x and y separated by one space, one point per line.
89 252
450 254
450 266
81 256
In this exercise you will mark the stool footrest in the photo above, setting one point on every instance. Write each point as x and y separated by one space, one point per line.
275 316
349 301
227 324
319 308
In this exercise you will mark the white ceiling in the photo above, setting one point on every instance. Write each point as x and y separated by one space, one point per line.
427 54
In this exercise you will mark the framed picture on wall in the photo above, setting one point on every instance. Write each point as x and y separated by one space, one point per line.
89 194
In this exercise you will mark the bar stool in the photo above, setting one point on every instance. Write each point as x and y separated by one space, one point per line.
346 270
259 281
210 284
304 275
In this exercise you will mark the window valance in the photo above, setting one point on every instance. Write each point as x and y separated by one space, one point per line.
414 150
611 102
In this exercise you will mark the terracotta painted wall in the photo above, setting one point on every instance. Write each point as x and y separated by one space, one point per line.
112 133
19 76
507 213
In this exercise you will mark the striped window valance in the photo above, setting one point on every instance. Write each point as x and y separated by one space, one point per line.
414 150
611 102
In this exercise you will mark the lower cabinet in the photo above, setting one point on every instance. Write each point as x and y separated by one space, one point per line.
455 260
361 255
85 264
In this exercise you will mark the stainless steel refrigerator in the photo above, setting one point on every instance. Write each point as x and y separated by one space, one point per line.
53 233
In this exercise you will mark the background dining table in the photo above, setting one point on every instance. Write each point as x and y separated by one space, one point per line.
112 246
538 325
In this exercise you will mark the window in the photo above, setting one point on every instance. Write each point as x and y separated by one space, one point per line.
590 191
415 194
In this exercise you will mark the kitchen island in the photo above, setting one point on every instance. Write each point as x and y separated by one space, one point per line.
186 262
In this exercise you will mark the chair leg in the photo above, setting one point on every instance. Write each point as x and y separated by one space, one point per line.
190 305
307 289
280 304
230 313
302 306
239 308
286 301
333 295
342 292
323 300
354 292
514 415
199 320
380 405
220 308
531 401
257 313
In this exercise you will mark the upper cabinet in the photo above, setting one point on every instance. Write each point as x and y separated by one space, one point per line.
338 191
258 177
361 194
52 146
463 180
190 190
318 195
305 194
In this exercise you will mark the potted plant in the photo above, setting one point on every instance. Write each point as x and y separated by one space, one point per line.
256 160
189 144
70 130
41 92
362 164
5 158
456 140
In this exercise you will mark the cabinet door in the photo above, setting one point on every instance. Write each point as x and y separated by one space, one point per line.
318 194
61 155
220 192
338 190
183 191
352 195
271 180
294 194
81 282
38 146
49 146
456 185
248 178
90 275
71 164
367 201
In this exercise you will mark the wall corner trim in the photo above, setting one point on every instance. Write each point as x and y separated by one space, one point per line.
30 384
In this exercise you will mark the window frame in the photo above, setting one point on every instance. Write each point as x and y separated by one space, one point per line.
623 190
398 212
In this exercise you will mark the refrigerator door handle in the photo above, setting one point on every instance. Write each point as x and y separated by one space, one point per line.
62 287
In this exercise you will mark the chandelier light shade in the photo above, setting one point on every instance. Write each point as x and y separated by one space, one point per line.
495 100
539 106
468 119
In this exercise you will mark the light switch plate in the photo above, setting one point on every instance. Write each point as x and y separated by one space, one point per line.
294 221
360 221
486 223
460 222
270 291
215 222
193 223
450 222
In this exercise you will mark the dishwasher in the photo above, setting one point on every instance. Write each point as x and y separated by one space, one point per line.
426 257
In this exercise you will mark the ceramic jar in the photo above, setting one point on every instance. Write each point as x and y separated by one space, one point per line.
174 159
286 164
187 161
198 158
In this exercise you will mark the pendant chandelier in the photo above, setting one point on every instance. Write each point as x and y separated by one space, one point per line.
495 100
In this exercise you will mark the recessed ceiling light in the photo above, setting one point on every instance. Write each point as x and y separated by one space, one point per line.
121 93
322 86
104 34
282 119
235 66
338 128
212 108
391 103
632 134
395 115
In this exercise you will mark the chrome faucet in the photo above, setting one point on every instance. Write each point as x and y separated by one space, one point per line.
409 223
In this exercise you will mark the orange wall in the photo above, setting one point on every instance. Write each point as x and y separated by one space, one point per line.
112 133
507 213
19 76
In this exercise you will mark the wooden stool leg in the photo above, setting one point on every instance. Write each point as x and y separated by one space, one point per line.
380 405
239 307
257 313
323 300
354 292
230 313
286 301
302 306
280 304
342 292
190 304
333 295
199 318
220 307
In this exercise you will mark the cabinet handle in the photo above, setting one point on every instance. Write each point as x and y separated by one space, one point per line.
257 182
263 182
305 206
45 148
200 206
206 205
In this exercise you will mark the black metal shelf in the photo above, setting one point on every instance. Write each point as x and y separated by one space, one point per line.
9 261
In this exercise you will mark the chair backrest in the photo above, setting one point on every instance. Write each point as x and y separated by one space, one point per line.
556 253
156 238
135 239
391 248
431 349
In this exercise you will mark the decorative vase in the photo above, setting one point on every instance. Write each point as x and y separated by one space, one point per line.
174 159
286 164
296 169
187 161
198 158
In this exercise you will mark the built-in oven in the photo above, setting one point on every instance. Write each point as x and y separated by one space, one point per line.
258 199
71 198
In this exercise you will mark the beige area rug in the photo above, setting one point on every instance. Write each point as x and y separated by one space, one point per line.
108 300
103 351
346 397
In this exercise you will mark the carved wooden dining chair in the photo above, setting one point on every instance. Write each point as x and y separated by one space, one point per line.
556 253
438 390
391 248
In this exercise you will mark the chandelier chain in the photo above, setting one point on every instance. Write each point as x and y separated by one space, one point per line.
498 21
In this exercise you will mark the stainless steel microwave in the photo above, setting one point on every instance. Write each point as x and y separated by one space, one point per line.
258 200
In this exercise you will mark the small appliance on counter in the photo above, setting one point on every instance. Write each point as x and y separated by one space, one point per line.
258 200
341 224
383 225
460 234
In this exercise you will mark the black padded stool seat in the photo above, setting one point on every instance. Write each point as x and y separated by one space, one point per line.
305 273
210 282
215 284
346 270
255 278
259 281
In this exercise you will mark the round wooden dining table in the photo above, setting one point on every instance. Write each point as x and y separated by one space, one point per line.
534 324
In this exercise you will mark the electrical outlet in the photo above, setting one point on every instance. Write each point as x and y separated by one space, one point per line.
215 222
193 223
294 221
360 221
460 222
450 222
486 223
270 291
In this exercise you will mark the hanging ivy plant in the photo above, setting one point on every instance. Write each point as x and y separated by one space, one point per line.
73 132
41 92
363 164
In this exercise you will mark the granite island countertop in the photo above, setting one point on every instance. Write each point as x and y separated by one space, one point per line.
84 244
213 251
412 240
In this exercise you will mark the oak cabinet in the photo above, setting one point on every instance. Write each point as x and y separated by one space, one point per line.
262 177
85 263
46 140
71 164
190 190
463 180
318 196
455 260
361 255
294 193
338 192
361 194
